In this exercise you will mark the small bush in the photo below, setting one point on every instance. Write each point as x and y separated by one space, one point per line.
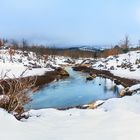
14 94
125 50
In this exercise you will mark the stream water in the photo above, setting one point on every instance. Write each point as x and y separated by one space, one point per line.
74 91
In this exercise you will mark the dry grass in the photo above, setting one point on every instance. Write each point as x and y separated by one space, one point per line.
14 94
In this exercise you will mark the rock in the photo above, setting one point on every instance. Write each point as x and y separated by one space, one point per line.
100 65
126 65
138 66
124 92
69 61
117 82
93 75
36 66
137 61
112 68
25 54
89 78
62 72
82 68
95 104
118 66
132 69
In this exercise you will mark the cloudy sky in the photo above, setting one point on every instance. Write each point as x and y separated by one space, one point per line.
74 22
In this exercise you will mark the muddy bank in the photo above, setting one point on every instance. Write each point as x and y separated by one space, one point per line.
38 81
106 74
51 76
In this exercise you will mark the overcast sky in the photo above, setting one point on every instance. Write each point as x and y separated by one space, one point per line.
76 22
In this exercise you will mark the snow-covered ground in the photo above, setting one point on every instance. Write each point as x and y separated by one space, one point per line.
29 62
124 65
117 119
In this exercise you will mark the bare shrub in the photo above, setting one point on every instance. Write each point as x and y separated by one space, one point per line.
14 94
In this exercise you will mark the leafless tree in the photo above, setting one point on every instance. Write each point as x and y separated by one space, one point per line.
24 44
126 42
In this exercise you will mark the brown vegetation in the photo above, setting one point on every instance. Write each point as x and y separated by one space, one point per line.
122 47
14 93
106 74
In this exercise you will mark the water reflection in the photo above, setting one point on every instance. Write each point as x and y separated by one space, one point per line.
74 91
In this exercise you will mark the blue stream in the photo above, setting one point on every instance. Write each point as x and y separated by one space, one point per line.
73 91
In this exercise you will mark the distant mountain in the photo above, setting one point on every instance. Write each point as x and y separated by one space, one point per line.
88 48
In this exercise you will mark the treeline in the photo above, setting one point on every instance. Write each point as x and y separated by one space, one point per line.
46 50
116 50
74 53
122 47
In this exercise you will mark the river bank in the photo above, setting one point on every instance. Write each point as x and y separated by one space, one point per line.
74 92
107 74
109 121
39 80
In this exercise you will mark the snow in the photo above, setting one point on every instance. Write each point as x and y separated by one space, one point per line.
15 70
116 119
97 103
127 74
134 87
130 61
94 105
26 61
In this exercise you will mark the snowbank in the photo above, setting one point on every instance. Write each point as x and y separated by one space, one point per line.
134 87
124 65
116 119
127 74
15 70
27 61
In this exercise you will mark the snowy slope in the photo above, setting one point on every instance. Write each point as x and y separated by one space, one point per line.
27 61
116 119
124 65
